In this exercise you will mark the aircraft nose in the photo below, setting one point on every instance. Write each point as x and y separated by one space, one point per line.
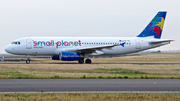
7 49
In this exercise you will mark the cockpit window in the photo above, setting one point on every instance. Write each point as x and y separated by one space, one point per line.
13 43
16 43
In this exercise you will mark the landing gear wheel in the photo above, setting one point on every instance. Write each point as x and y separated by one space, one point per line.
81 61
28 61
88 61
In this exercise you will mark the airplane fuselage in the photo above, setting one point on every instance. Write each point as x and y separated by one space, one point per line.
54 45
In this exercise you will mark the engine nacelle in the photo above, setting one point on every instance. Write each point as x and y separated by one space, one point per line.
67 56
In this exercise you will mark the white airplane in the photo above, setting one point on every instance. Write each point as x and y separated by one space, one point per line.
79 48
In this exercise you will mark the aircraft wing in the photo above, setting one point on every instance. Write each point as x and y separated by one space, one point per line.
94 49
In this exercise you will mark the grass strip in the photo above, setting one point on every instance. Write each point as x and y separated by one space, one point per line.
119 74
120 71
90 97
88 77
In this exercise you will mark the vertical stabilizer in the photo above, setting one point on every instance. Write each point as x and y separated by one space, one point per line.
155 27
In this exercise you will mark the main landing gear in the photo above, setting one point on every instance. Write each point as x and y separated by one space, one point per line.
81 61
88 61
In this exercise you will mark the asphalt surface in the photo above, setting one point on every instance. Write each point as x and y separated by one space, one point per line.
55 85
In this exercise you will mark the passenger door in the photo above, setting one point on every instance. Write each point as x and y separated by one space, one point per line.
138 44
28 43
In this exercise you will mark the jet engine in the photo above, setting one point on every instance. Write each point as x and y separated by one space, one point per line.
67 56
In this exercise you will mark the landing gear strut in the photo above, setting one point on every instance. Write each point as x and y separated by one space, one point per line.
81 61
88 61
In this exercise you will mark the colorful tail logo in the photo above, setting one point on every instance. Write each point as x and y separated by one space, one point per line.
155 27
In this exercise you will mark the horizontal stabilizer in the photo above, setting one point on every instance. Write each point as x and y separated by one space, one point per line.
161 41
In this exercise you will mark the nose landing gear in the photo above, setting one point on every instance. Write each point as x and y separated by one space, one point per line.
28 60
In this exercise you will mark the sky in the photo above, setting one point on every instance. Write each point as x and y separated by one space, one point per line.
85 18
